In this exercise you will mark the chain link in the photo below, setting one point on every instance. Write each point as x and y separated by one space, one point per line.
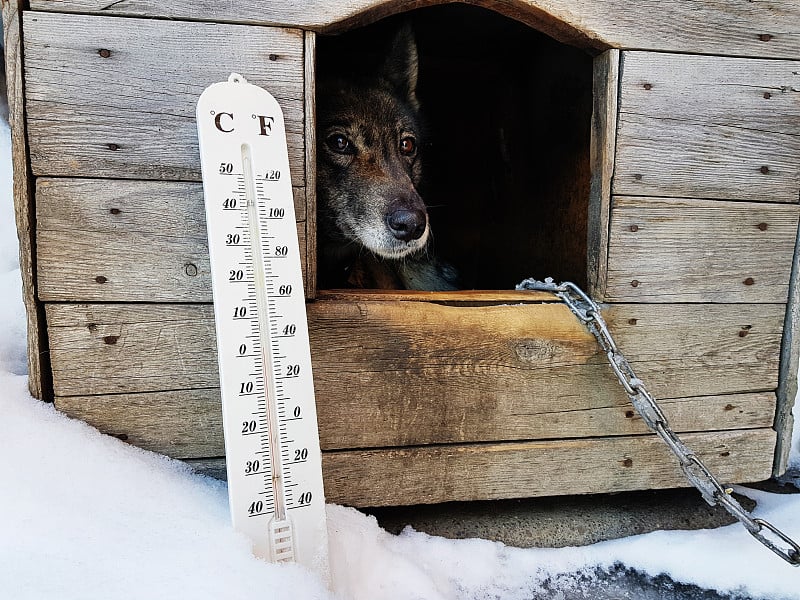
588 311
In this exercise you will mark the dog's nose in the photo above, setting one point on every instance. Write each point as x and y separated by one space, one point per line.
407 225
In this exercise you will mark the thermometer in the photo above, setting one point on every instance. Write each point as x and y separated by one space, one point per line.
269 415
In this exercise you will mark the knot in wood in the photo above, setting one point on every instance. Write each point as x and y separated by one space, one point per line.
534 350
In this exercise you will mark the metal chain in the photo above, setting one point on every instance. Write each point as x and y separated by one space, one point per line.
588 311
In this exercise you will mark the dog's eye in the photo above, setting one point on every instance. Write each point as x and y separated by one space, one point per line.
408 145
339 143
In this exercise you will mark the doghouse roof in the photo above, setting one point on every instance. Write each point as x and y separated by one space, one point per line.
729 28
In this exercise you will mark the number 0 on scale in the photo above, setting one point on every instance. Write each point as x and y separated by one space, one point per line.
268 409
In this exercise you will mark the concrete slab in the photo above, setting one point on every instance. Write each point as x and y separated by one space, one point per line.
560 521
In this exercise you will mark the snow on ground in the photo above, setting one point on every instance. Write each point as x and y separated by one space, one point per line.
85 516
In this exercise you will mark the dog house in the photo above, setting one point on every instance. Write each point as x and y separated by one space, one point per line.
675 201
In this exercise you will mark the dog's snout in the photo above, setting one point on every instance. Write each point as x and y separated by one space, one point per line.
407 224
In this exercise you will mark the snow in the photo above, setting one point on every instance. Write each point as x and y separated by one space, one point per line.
85 516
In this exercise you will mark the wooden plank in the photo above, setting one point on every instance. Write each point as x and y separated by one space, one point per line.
179 423
524 419
125 240
708 127
712 26
113 97
522 470
676 250
39 382
402 355
405 363
493 471
309 91
188 423
603 143
787 375
132 347
460 297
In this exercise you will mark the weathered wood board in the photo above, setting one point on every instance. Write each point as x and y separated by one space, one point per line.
116 97
537 351
178 423
494 471
787 372
713 26
38 365
310 119
525 469
708 127
188 423
603 141
118 240
688 250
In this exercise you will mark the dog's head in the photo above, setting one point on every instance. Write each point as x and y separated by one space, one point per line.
368 165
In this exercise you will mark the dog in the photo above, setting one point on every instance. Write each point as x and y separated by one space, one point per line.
373 224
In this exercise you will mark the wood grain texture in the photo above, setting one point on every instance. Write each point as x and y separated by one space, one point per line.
787 376
397 356
526 469
708 127
454 298
603 146
310 114
188 423
130 112
125 240
683 250
179 423
132 347
401 366
713 26
38 365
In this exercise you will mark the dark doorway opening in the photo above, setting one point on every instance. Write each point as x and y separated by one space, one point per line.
507 113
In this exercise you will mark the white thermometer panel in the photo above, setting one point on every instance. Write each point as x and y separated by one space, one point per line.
270 422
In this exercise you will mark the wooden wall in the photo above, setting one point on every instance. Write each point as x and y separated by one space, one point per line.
422 398
709 27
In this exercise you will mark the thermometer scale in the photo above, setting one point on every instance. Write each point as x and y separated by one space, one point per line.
269 415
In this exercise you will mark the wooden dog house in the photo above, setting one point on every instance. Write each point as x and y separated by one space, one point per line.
691 216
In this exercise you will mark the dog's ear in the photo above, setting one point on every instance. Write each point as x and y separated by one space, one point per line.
402 64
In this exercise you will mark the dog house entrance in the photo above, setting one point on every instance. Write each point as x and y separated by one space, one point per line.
507 119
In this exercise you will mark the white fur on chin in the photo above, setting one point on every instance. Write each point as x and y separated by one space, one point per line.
380 241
